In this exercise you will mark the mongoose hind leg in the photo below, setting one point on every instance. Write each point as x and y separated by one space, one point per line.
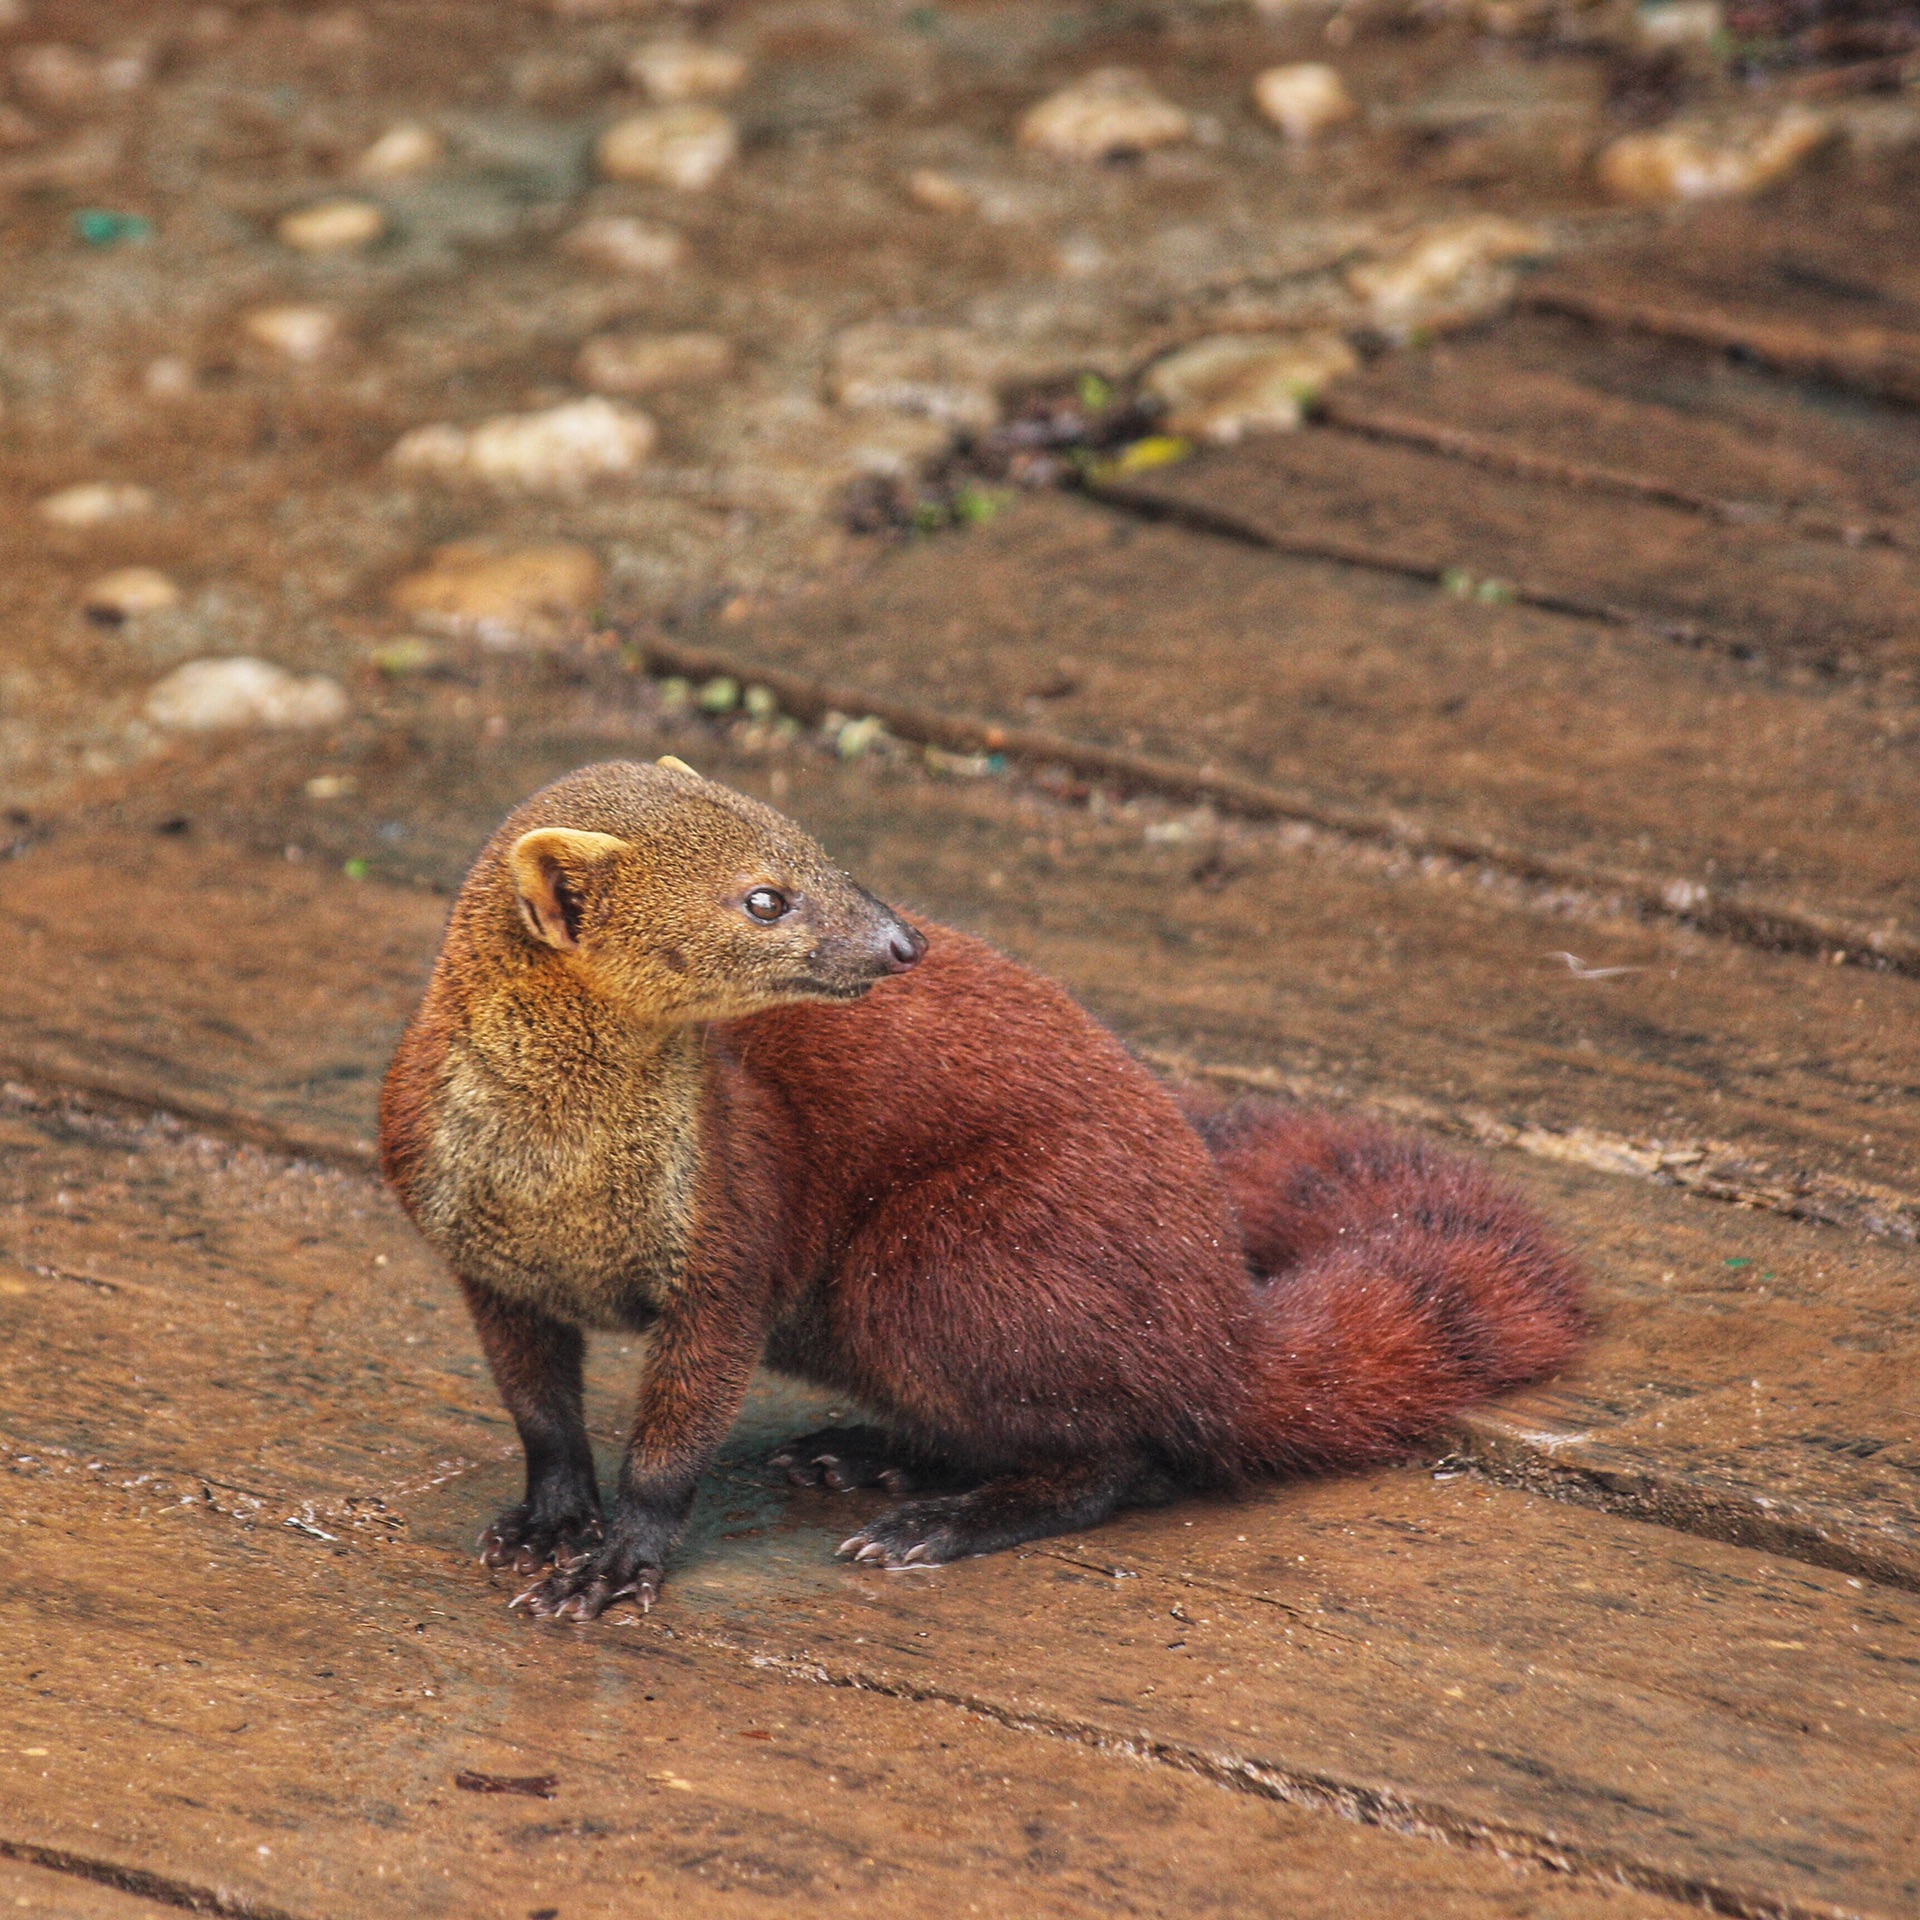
1002 1513
845 1458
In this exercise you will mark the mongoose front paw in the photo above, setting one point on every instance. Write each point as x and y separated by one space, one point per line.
585 1587
844 1458
524 1540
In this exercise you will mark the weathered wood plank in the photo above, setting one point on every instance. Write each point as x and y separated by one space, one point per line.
1516 728
286 1728
1701 425
1264 947
1645 563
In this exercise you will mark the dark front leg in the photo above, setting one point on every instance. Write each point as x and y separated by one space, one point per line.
536 1366
704 1353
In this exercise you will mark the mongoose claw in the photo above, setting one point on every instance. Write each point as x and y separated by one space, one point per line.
587 1586
843 1458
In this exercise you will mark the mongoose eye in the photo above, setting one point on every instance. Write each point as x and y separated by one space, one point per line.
766 903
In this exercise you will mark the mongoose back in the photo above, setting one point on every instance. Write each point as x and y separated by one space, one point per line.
676 1071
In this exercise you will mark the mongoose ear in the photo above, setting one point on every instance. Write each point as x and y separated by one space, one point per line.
555 871
674 764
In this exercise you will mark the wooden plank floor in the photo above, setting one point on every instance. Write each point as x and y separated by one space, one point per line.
1641 1640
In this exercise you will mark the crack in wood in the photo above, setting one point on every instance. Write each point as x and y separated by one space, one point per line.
159 1887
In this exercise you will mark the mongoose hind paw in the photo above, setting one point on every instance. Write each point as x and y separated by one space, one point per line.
844 1458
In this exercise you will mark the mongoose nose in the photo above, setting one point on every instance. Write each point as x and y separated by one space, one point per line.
905 948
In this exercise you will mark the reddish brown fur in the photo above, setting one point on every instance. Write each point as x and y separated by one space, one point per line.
960 1202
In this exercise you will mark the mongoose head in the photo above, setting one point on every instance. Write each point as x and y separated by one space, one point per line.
679 900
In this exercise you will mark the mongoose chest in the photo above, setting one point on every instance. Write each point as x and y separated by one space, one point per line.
576 1197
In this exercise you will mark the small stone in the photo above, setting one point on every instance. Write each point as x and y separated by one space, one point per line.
1113 110
947 374
684 146
640 362
940 192
1680 23
127 593
1451 274
1305 99
243 692
502 597
333 226
95 503
401 152
562 450
295 332
1233 384
621 244
1701 162
676 70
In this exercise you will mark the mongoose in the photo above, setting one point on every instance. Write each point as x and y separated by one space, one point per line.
676 1071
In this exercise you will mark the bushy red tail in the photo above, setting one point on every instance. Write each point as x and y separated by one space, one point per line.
1400 1283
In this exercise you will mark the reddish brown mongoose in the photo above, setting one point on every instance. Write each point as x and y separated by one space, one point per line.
675 1071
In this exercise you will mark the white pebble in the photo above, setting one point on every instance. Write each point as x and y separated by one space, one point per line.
1711 163
502 596
562 450
128 592
1304 100
622 244
1681 23
676 70
640 362
1113 110
401 152
297 332
333 226
1450 274
243 692
1232 384
95 503
684 146
168 378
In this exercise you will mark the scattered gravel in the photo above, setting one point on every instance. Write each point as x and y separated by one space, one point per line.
561 450
1304 100
503 597
1704 162
618 243
1232 384
205 695
1112 111
95 503
677 70
333 226
629 363
127 593
684 146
